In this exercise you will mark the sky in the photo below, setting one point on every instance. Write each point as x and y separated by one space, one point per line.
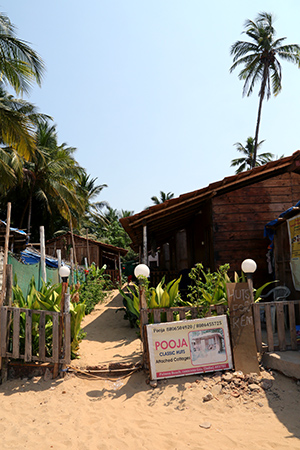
142 89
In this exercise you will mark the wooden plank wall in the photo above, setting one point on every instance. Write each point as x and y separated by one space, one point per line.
239 218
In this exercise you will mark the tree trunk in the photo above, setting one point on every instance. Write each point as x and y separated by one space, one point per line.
29 216
261 98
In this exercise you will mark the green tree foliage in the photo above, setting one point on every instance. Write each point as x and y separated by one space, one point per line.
163 197
245 162
47 183
105 227
40 177
20 67
259 58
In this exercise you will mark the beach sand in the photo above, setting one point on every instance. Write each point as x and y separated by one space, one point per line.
127 413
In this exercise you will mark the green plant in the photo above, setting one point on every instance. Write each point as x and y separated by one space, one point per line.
47 299
93 290
131 302
163 296
208 289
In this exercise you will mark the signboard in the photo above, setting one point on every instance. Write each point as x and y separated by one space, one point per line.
294 238
189 347
242 328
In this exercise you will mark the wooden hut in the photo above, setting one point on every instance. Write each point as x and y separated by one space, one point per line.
88 250
221 223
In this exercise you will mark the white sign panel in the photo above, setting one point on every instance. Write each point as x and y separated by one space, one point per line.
189 347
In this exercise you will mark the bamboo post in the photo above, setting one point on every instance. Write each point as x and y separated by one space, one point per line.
9 283
87 247
72 264
58 253
145 245
43 254
5 253
73 243
120 269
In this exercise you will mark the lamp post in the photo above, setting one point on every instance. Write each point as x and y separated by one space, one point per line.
141 270
249 267
144 271
64 273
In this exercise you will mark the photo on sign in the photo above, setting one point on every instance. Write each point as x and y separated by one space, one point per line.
207 345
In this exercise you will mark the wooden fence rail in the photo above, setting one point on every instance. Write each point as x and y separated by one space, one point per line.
13 319
275 325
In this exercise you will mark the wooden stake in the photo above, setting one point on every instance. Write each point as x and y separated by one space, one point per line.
58 253
61 328
72 265
9 283
120 269
88 249
43 254
5 253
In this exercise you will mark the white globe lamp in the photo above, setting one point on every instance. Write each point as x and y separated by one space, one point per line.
64 273
249 266
142 270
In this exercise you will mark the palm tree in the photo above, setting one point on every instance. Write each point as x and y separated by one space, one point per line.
50 178
259 58
246 162
89 190
163 197
20 66
18 119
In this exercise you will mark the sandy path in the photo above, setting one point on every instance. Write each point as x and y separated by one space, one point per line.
109 337
127 413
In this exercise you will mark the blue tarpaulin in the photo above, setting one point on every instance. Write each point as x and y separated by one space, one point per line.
33 257
269 230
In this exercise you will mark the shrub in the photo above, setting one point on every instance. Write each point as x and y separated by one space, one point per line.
93 290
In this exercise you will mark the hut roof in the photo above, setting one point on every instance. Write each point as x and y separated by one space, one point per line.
106 247
165 218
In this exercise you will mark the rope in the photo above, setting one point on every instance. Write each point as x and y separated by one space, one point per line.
86 373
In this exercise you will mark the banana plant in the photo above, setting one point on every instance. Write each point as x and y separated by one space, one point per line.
77 311
131 301
164 296
47 299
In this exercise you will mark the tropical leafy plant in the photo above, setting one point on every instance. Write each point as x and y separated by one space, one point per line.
163 296
93 289
208 289
47 299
